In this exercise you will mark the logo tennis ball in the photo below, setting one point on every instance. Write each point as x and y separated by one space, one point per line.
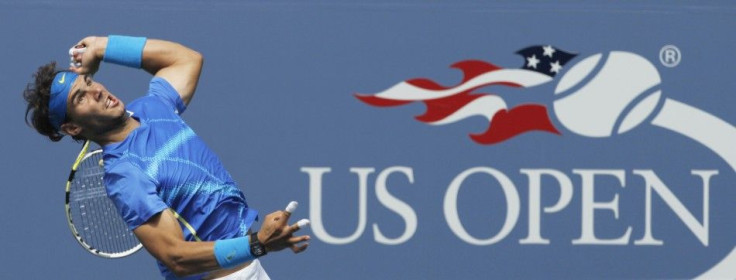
597 100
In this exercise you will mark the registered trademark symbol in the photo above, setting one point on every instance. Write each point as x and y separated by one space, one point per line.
670 56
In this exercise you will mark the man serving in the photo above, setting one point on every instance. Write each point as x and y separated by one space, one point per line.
156 167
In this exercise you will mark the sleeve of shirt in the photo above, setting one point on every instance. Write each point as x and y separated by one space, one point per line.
161 88
133 193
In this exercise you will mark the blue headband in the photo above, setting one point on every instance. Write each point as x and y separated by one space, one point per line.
59 93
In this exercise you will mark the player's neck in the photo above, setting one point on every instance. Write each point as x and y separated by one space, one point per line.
119 133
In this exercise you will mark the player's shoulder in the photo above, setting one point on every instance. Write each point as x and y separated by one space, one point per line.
151 106
160 88
122 165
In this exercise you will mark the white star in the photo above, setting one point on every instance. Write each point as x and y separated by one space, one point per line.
548 51
532 62
555 67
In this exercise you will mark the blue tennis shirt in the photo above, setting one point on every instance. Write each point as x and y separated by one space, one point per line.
164 164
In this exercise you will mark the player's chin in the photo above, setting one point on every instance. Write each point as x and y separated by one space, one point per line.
119 112
117 118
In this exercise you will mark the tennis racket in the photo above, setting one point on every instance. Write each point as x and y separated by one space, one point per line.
92 217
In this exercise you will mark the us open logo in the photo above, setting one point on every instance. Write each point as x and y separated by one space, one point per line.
601 95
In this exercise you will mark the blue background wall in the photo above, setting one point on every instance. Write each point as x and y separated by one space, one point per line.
276 95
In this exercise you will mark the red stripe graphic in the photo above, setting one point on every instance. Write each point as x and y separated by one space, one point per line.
450 104
520 119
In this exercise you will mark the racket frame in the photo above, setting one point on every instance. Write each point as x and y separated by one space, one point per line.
83 154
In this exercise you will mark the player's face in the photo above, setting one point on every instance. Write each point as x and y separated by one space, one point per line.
94 108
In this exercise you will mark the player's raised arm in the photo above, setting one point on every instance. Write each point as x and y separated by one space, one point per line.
177 64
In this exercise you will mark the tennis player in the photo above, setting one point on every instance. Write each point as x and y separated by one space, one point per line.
155 165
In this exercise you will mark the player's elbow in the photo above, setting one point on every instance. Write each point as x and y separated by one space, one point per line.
199 58
191 61
195 61
196 58
177 265
180 272
177 262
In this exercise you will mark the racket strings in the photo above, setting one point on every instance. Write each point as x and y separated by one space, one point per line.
100 225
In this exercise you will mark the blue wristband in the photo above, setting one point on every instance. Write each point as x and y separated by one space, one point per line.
232 252
124 50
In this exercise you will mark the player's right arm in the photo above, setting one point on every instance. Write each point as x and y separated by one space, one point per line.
162 237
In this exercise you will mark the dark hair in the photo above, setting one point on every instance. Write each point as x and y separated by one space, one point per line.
37 95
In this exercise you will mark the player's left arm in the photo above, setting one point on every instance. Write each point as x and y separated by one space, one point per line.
177 64
162 236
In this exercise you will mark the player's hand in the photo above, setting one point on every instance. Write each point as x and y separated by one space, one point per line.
85 56
276 234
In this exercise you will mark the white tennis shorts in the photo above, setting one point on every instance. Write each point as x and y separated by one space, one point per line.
254 271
